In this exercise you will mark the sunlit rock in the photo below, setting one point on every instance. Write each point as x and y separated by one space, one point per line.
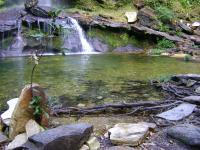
131 16
129 134
93 143
23 112
32 128
6 116
17 142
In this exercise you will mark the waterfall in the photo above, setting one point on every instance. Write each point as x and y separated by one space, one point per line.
45 3
86 47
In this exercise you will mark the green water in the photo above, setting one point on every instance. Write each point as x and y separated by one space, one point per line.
90 79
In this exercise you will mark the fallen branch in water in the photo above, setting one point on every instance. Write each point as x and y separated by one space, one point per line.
124 108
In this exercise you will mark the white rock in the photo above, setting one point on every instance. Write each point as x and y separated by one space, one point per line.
32 128
131 16
129 134
196 24
17 142
6 116
93 143
192 98
84 147
178 112
197 90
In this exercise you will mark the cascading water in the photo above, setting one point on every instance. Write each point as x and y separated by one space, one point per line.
86 47
45 3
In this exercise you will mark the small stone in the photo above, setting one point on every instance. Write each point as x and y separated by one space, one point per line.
197 90
81 105
84 147
196 24
100 97
187 133
17 142
128 134
178 112
3 138
93 143
191 83
131 16
32 128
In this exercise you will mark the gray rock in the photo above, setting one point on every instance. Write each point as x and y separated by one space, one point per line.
178 112
187 133
3 138
128 49
192 99
99 45
188 76
147 17
66 137
197 90
185 28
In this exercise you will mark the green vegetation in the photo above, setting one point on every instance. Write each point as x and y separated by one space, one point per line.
187 58
162 46
165 14
2 2
114 39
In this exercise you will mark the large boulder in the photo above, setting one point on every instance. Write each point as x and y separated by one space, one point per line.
147 17
129 134
23 113
186 133
66 137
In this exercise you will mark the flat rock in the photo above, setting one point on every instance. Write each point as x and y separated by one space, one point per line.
119 148
17 142
32 128
187 133
66 137
129 134
131 16
178 113
192 99
6 116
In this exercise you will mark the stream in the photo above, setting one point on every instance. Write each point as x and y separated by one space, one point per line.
91 79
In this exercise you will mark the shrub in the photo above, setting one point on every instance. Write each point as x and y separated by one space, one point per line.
165 14
164 44
187 58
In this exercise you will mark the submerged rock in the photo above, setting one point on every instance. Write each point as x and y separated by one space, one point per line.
178 112
23 113
6 116
129 134
187 133
66 137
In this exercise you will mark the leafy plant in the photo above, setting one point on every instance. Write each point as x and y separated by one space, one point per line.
164 44
165 14
187 58
54 14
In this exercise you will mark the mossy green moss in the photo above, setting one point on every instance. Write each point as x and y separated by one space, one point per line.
114 39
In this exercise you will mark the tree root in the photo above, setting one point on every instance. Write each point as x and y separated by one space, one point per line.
124 108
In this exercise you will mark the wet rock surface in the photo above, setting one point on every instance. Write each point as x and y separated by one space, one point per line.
187 133
128 49
61 138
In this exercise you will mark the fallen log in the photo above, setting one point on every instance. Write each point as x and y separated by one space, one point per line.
124 108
